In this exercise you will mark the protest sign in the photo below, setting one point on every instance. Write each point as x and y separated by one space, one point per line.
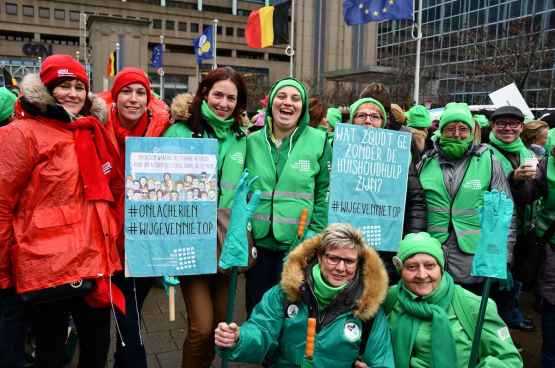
510 96
170 206
369 182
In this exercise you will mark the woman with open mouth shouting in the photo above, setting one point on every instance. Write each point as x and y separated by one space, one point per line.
293 163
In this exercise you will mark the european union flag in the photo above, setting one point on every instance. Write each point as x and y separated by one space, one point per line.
204 45
364 11
156 59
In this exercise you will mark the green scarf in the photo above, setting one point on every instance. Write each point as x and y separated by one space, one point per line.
514 147
323 291
453 147
443 350
221 127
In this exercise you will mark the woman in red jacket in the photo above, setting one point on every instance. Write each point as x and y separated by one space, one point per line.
58 172
134 112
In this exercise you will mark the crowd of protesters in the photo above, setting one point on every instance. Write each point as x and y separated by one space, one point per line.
62 202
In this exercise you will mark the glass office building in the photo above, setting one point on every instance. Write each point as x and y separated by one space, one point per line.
447 59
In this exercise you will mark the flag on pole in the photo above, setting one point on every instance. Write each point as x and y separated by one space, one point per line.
364 11
112 64
204 45
9 81
156 59
268 26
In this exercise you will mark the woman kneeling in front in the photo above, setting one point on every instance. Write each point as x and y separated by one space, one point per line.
334 277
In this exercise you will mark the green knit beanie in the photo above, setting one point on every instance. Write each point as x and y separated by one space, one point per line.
482 121
418 243
419 117
7 101
455 111
354 107
334 116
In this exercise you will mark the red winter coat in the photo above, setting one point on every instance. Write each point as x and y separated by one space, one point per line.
49 233
159 123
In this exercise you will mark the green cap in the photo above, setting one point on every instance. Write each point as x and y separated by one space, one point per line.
334 116
455 111
7 102
481 120
418 243
285 82
354 107
528 120
419 117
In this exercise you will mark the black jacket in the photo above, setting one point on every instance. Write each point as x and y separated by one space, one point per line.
393 124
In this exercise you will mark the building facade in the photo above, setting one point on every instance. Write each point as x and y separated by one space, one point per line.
452 68
33 29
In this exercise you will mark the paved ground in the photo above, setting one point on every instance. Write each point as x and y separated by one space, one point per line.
164 339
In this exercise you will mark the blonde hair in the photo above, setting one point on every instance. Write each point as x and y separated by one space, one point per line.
342 235
397 111
180 106
532 131
372 106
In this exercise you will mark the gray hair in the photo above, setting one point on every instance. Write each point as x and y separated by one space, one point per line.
342 235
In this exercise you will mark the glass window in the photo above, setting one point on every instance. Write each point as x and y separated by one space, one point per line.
204 26
229 31
170 25
11 8
240 32
74 15
59 14
182 26
157 23
219 30
28 11
44 12
194 27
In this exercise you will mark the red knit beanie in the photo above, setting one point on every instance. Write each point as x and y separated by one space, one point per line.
62 66
127 76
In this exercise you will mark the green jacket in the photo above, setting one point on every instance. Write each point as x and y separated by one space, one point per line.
234 161
272 164
496 346
550 142
279 322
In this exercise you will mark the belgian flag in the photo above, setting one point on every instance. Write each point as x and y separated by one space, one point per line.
9 81
112 64
268 26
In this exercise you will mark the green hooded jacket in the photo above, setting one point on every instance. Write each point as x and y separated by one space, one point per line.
304 168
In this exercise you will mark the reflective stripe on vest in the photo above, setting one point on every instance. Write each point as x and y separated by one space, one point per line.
283 200
523 212
546 214
462 212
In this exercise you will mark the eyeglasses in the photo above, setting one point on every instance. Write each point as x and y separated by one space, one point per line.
335 260
451 130
361 116
503 124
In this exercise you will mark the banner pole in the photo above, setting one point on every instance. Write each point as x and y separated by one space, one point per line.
161 71
292 38
417 63
215 34
230 305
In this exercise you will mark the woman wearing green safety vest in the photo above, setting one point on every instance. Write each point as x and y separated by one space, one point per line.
214 112
433 321
293 163
369 112
455 175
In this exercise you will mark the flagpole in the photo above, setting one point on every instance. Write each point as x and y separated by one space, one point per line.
417 64
215 34
117 59
290 51
161 71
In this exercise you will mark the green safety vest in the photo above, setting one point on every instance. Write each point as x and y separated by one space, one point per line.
546 214
284 199
231 172
462 212
524 212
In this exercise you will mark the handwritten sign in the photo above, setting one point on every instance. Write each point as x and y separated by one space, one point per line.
170 206
369 182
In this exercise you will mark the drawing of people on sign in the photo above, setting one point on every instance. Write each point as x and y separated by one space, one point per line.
192 188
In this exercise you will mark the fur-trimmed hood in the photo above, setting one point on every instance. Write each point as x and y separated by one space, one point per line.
180 106
374 277
36 93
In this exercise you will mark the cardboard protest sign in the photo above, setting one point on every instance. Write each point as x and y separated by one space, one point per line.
369 182
510 96
170 206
